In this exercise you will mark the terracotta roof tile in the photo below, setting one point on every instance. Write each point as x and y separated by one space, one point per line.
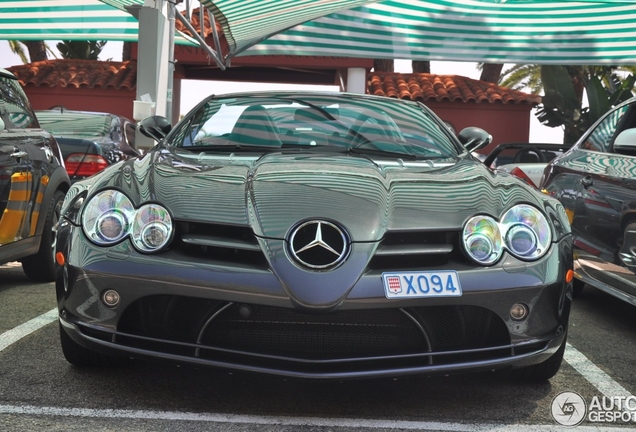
196 23
78 73
453 88
419 87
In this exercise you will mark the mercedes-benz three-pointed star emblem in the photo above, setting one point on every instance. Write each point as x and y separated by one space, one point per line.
318 244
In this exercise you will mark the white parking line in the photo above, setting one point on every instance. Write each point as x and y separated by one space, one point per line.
592 373
349 424
15 334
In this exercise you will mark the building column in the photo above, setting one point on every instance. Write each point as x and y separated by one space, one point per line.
152 62
357 80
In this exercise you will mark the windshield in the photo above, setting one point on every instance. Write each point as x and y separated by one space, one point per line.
347 123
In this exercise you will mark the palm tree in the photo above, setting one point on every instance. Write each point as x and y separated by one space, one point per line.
126 51
85 50
565 88
490 72
525 77
383 65
420 66
37 50
18 49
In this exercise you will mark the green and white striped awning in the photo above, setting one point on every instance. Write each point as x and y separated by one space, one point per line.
478 31
69 20
494 31
601 32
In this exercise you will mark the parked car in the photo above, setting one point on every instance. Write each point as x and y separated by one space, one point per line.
90 141
526 161
596 182
316 235
33 182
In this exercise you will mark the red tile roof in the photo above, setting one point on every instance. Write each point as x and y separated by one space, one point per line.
196 23
419 87
78 73
452 88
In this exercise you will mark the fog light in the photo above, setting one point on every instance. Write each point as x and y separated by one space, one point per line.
110 298
519 311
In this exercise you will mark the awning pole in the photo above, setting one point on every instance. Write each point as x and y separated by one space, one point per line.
201 41
171 62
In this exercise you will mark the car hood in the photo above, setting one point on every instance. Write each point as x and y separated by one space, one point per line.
275 192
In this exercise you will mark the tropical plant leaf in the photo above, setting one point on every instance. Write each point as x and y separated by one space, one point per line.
558 88
597 97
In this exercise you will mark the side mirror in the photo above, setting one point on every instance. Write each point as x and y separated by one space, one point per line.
625 142
155 127
474 138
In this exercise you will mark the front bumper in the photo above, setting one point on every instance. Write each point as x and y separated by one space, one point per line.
243 318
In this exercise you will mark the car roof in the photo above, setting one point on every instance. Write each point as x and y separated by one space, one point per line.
7 74
62 111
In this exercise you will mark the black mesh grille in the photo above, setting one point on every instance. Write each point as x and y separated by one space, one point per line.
271 331
167 317
285 332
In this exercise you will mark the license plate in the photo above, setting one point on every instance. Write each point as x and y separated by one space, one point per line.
421 284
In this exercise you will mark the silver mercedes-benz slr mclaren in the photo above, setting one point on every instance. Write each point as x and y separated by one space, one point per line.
314 235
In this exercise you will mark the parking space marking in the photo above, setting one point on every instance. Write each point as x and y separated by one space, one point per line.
594 375
15 334
309 422
588 370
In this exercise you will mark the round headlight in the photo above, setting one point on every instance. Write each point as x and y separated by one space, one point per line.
527 232
112 226
110 216
106 218
152 228
482 239
521 240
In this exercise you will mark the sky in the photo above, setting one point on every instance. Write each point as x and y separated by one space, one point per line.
193 91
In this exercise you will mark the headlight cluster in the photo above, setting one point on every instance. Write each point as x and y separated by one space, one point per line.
110 217
523 231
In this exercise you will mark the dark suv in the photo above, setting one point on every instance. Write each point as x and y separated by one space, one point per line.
33 183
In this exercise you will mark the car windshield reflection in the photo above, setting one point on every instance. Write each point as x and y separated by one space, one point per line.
316 123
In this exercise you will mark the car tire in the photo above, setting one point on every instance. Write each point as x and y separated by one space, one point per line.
79 356
577 287
542 371
41 266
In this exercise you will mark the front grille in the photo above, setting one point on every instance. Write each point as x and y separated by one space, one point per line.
218 242
237 245
286 332
252 336
417 249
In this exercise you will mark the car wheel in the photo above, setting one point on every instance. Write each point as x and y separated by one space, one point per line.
41 266
542 371
79 356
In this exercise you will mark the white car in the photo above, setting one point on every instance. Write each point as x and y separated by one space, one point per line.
526 161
